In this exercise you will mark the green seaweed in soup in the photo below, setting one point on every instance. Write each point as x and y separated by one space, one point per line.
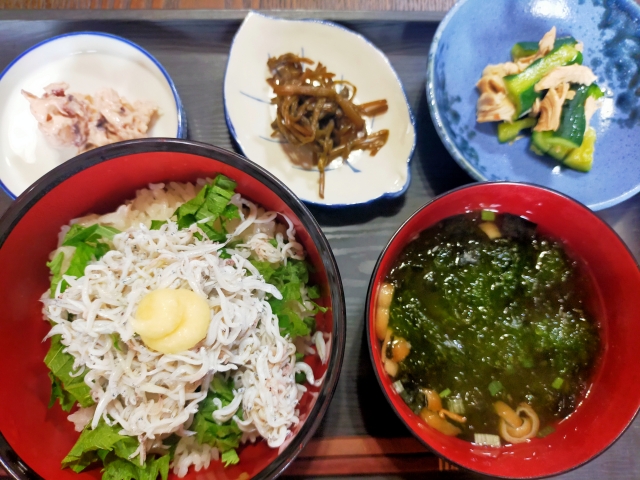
491 319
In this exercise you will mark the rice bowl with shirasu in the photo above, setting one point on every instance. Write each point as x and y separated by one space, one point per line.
187 408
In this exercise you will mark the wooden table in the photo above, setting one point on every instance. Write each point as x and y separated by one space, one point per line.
360 434
397 5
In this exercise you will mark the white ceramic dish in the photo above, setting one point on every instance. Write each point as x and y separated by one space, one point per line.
249 113
87 61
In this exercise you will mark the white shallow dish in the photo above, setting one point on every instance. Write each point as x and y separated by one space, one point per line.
87 61
249 112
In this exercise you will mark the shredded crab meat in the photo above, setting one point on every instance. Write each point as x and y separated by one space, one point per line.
152 395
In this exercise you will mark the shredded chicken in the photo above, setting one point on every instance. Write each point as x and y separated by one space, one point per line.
551 108
493 104
85 121
535 109
545 45
567 74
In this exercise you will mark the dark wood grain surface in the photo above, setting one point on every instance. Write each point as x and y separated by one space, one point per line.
403 5
359 424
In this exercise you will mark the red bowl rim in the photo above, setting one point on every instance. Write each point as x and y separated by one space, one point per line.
369 319
10 460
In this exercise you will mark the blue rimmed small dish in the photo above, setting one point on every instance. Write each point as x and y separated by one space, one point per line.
472 36
87 62
249 112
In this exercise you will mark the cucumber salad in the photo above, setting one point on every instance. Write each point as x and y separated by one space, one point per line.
547 90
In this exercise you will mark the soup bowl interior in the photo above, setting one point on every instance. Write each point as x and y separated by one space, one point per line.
34 438
613 398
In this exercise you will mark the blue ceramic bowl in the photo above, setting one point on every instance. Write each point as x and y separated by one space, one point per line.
476 33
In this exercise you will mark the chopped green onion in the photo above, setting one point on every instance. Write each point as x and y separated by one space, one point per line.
486 439
495 388
445 393
115 338
488 215
230 457
546 431
557 383
456 405
526 362
398 387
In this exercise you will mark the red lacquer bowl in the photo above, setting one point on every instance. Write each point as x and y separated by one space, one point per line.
614 397
34 439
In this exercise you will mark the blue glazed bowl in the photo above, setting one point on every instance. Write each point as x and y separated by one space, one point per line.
476 33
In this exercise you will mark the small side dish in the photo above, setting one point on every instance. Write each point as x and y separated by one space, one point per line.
250 111
106 74
179 327
317 113
546 89
86 121
486 329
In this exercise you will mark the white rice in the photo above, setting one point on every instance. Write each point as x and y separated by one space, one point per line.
153 395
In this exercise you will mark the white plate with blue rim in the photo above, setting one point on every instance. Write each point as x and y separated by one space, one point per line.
87 62
361 178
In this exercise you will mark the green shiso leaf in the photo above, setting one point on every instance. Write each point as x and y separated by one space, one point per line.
211 204
105 444
225 436
289 280
65 387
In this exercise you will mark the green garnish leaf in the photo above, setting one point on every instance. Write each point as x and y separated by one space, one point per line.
557 383
105 444
156 224
89 243
115 338
488 215
55 267
299 356
222 253
81 258
230 457
225 436
225 183
211 203
68 389
301 377
495 387
116 468
103 437
289 280
89 235
59 393
313 292
445 393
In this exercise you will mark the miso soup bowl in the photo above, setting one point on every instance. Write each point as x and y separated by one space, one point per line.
613 398
34 438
